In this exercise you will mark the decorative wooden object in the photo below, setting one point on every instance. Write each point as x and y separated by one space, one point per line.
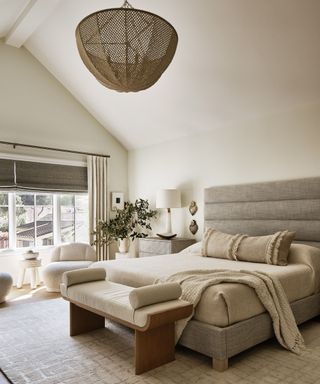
193 208
193 227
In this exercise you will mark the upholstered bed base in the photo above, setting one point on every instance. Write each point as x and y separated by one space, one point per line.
223 343
257 209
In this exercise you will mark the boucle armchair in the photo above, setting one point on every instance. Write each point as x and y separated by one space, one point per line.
5 285
65 258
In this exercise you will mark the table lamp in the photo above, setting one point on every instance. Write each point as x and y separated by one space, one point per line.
168 198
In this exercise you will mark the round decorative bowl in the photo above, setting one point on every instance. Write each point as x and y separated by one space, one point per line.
30 255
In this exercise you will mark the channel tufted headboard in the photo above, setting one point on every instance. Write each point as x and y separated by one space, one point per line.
264 208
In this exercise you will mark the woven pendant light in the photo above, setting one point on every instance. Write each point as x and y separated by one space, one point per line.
126 49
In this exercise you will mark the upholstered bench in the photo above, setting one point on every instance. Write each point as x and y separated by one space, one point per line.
151 311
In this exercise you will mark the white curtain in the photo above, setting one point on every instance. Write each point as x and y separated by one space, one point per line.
98 198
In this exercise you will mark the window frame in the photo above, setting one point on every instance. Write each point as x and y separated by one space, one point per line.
7 206
56 217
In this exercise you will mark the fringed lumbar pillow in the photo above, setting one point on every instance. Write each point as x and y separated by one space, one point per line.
270 249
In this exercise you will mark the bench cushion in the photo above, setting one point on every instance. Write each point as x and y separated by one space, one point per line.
113 300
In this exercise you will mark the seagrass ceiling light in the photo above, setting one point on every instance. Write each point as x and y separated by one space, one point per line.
126 49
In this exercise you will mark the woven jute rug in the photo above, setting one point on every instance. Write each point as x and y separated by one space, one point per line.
35 348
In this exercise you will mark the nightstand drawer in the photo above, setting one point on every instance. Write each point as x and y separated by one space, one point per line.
153 246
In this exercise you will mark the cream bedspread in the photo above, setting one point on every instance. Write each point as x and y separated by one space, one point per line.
226 303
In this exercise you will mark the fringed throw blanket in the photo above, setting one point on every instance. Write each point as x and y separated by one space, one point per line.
268 289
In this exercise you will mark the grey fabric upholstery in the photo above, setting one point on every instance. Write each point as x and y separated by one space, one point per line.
264 208
307 188
222 343
258 209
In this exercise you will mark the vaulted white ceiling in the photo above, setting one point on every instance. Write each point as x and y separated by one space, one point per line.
236 60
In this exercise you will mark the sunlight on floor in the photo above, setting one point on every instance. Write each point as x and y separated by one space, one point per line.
28 295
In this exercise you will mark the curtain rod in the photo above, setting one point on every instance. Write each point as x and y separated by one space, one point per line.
52 149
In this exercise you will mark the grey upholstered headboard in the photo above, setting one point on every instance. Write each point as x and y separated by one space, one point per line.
265 208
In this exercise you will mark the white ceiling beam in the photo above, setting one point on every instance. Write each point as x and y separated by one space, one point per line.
34 14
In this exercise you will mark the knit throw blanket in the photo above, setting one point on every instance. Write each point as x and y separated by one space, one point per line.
268 289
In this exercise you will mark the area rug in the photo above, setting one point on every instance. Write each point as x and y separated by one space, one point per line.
4 376
35 348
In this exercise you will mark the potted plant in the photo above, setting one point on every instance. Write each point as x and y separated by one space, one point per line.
131 222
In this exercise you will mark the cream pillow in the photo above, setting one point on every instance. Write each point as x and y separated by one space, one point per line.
270 249
153 294
284 247
218 244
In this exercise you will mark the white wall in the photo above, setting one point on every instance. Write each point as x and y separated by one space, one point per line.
282 146
36 109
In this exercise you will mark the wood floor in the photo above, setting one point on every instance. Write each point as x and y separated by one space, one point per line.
25 295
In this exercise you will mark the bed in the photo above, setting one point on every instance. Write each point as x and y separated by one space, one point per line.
229 318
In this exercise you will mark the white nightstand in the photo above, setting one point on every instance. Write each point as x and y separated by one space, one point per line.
153 246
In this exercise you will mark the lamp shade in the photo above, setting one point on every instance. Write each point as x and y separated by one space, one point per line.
168 198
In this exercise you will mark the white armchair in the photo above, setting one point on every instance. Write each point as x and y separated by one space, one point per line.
66 258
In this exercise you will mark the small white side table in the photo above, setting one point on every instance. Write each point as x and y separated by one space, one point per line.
34 265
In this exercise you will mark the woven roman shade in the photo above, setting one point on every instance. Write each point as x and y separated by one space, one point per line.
7 178
126 49
44 177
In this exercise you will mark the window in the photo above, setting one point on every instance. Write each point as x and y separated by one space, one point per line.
29 220
44 220
81 217
25 225
4 220
67 218
73 217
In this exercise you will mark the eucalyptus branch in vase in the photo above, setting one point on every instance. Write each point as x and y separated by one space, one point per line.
131 222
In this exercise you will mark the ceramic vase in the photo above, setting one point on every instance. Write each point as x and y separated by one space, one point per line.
123 245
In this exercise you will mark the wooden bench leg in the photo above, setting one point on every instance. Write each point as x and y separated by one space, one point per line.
154 347
219 365
82 321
